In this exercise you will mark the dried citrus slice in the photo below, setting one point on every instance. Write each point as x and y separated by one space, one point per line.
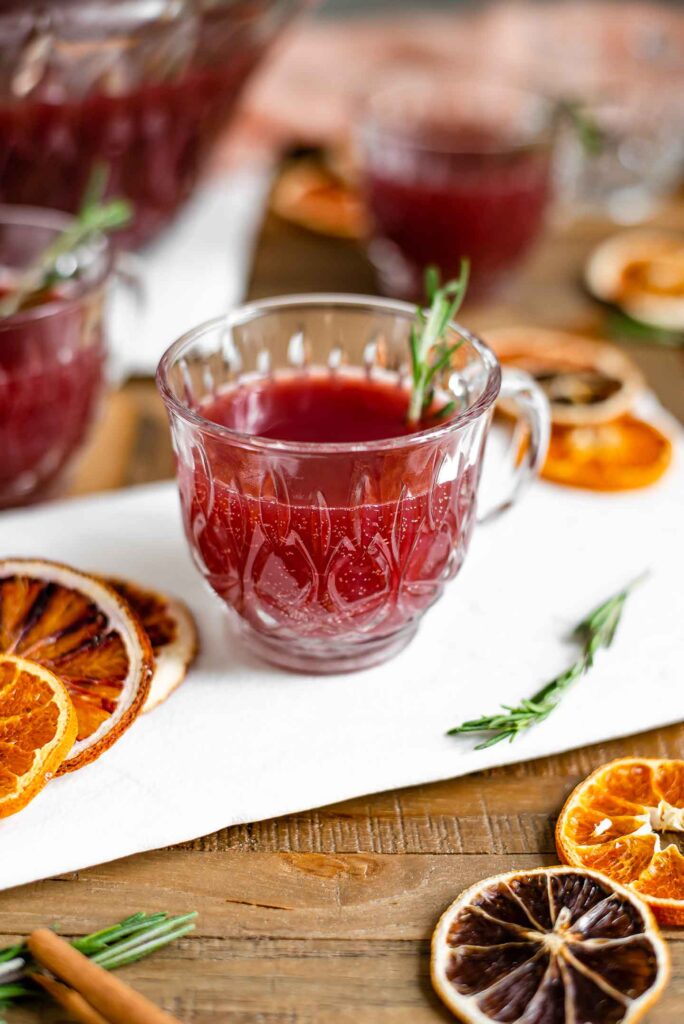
172 632
38 727
622 455
642 273
548 946
618 821
585 381
313 196
79 628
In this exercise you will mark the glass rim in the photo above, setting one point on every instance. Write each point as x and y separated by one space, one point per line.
371 123
251 311
17 215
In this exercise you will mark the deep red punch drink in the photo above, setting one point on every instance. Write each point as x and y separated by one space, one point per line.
52 357
50 379
145 89
335 550
488 207
325 523
466 175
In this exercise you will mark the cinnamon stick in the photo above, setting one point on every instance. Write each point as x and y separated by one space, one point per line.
118 1003
70 1000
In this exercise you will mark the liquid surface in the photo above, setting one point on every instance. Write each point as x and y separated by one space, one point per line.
332 409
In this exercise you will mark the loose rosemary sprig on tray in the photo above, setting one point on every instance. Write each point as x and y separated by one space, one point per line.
123 943
429 351
96 216
594 632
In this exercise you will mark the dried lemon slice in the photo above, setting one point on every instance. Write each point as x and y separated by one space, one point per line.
615 822
38 727
172 632
548 946
79 628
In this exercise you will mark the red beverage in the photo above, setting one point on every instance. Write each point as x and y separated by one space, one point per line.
339 548
488 207
455 180
52 356
141 92
325 523
51 369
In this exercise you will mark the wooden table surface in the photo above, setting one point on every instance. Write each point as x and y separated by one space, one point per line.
325 916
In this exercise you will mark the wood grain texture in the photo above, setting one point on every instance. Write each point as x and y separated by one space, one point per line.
324 917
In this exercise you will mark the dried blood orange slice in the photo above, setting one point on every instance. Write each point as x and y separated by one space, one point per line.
548 946
38 726
172 632
79 628
625 820
622 455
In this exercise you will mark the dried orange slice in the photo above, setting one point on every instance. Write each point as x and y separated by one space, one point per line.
312 196
642 273
172 633
38 726
616 821
548 946
79 628
622 455
585 381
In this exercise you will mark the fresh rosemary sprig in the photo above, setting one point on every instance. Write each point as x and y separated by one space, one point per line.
124 943
96 216
577 114
597 630
625 328
429 352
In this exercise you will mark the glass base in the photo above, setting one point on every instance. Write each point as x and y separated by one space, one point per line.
326 657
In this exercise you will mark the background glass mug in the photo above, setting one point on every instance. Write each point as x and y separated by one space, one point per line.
52 356
453 168
328 554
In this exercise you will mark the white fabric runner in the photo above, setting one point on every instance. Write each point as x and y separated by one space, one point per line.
241 741
197 269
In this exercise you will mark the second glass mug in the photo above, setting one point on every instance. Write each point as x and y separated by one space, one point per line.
328 554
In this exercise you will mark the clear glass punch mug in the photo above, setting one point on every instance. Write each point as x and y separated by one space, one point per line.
328 554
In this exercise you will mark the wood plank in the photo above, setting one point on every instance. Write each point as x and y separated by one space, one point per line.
301 981
268 895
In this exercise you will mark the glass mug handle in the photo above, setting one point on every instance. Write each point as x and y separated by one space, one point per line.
519 388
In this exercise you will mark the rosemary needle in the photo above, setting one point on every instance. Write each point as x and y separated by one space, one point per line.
96 216
124 943
429 352
594 632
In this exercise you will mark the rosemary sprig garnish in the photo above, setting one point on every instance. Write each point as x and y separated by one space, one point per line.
577 114
96 216
429 352
594 632
123 943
